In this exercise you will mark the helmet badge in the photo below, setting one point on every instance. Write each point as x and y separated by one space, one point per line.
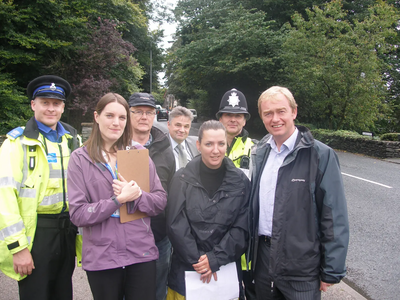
233 99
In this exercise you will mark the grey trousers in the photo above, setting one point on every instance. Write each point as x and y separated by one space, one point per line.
269 289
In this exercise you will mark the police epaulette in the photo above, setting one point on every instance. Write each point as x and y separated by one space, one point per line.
16 132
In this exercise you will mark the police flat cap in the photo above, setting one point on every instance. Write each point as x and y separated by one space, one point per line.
49 86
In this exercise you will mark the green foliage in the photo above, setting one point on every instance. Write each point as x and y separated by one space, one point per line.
333 133
394 137
221 46
333 65
31 34
340 60
199 103
159 96
50 37
335 138
14 107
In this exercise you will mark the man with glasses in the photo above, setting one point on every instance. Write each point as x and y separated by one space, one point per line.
143 109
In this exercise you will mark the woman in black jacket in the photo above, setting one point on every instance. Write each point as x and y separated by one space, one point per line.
207 212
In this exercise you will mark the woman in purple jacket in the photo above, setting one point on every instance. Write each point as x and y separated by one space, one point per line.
119 258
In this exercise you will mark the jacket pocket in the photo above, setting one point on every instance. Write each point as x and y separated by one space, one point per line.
100 235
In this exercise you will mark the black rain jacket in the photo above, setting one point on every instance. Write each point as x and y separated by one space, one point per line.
160 151
198 224
310 230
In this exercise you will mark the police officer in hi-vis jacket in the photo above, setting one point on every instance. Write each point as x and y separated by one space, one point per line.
37 240
233 115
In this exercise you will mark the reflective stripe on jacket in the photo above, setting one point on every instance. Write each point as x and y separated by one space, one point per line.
29 185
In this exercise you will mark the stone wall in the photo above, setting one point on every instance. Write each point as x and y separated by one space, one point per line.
86 130
374 148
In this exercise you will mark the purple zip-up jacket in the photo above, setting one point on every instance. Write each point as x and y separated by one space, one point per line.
108 243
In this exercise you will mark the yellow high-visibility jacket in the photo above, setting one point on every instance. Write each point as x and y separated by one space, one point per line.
33 180
240 147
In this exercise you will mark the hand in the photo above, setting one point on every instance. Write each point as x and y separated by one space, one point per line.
23 262
118 186
203 268
324 286
128 191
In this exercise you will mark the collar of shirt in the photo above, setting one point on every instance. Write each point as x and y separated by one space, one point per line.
288 144
174 144
148 143
50 134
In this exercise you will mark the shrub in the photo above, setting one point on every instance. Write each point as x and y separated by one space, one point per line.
394 137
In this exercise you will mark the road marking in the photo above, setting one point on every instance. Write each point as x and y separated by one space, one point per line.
386 186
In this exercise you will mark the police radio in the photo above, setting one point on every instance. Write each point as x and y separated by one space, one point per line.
245 162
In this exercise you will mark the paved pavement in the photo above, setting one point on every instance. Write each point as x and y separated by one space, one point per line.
342 291
393 160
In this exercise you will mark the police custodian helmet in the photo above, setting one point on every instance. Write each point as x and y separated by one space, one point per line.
233 102
49 86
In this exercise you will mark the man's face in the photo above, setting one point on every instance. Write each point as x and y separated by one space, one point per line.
179 128
278 117
233 123
48 111
141 119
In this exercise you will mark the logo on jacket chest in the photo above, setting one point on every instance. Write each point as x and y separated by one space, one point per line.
298 180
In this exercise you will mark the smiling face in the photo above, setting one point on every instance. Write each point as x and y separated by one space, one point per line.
179 128
278 117
112 122
212 147
233 123
48 111
142 123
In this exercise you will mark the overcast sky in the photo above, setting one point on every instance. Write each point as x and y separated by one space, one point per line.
169 30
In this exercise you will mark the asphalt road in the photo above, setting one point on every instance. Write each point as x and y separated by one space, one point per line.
373 261
373 193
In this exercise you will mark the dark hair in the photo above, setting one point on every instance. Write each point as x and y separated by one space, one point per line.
94 144
211 124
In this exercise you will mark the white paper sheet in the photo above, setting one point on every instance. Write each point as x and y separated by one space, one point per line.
225 288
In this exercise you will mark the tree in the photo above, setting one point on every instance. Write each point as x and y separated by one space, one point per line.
221 46
103 63
50 36
333 65
14 107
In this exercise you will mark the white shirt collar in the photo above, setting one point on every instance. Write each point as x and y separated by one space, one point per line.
288 144
174 143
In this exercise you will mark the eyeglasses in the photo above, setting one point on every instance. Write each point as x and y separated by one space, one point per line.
140 113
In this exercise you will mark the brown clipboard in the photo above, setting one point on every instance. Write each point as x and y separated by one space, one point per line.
133 164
